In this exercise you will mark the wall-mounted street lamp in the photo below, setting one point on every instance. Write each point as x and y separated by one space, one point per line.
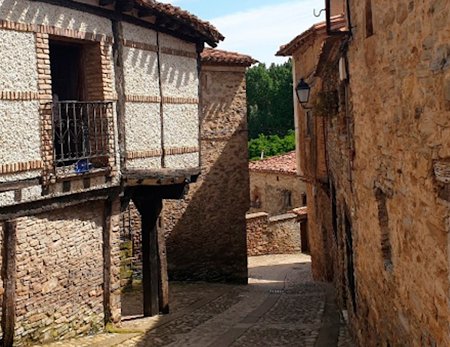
303 90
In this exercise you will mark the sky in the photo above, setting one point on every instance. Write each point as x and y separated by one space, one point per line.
256 27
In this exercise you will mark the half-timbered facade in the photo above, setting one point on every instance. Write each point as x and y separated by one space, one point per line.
99 105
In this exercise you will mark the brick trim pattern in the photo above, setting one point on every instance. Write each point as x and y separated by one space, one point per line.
19 96
157 99
143 154
154 48
45 107
179 52
140 45
178 100
51 30
180 150
21 167
143 99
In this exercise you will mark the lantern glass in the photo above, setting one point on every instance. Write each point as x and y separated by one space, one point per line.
303 90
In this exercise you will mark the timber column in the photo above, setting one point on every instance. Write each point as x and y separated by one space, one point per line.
154 263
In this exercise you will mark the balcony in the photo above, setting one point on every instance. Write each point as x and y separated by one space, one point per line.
82 136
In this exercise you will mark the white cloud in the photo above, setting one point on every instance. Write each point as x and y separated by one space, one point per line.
261 31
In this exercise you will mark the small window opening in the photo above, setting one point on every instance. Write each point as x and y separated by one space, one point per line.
383 220
369 18
287 199
304 199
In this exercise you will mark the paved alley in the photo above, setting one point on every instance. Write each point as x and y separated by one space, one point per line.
281 306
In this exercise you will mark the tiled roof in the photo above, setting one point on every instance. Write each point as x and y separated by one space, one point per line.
205 29
337 23
217 56
301 211
281 164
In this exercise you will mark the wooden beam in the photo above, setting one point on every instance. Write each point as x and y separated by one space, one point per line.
49 204
124 5
9 282
120 87
106 2
117 16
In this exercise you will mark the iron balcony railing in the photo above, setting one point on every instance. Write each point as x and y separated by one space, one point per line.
81 135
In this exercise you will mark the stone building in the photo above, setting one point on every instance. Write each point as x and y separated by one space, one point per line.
210 220
275 185
375 142
99 105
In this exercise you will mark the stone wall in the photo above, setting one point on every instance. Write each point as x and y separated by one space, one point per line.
130 246
400 80
275 235
275 193
206 231
60 273
379 222
313 163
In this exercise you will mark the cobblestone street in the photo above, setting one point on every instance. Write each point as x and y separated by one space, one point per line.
281 306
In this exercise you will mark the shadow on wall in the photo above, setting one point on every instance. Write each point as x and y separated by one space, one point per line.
208 238
29 12
206 232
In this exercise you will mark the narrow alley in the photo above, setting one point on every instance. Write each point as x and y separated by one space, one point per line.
281 306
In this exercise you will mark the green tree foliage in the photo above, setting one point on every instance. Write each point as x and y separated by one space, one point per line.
271 145
269 100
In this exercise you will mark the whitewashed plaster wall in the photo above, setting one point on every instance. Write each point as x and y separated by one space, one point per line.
19 132
24 11
18 70
176 43
141 72
143 133
179 78
19 120
142 119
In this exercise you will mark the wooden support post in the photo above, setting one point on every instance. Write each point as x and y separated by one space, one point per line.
150 210
9 282
163 278
120 87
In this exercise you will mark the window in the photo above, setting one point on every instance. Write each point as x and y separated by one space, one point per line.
304 199
81 128
369 19
287 199
383 220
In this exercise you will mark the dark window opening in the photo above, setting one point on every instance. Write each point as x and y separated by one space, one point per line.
369 18
80 128
287 199
304 199
350 261
383 220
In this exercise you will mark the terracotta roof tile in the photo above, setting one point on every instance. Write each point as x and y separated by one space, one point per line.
301 211
281 164
337 23
217 56
206 29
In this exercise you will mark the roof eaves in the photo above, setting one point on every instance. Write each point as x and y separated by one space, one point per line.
338 22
